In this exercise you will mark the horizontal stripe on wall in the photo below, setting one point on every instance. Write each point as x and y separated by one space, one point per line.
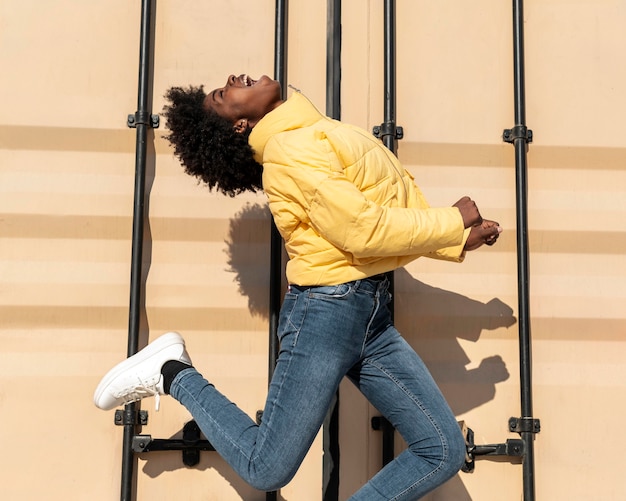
39 226
498 155
25 137
159 319
19 137
239 319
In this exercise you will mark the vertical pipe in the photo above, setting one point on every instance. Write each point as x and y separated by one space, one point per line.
333 59
142 121
390 75
276 242
390 141
330 466
520 144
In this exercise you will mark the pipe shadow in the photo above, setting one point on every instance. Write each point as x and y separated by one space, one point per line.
143 333
146 246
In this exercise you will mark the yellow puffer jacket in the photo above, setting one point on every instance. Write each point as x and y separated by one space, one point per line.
342 202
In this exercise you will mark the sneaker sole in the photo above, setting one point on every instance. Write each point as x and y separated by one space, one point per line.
163 342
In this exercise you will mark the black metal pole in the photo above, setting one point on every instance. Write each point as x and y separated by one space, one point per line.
276 242
389 138
141 121
520 139
333 59
331 458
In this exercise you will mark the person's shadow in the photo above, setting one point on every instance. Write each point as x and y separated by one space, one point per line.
433 320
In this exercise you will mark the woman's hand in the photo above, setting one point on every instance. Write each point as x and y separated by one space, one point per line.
486 232
469 212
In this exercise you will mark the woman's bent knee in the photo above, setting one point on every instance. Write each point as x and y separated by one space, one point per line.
269 479
446 456
458 452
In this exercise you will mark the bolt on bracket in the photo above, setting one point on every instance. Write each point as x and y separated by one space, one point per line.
388 129
517 132
524 425
139 118
128 417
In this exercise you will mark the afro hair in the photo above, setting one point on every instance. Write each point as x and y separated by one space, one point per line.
208 146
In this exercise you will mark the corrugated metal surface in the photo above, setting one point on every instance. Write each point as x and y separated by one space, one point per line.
66 181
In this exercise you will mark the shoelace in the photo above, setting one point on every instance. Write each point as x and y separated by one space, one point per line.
143 390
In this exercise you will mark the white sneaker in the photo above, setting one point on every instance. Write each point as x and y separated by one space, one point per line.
139 376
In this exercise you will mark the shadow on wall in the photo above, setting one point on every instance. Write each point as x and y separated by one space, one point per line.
249 255
433 320
146 244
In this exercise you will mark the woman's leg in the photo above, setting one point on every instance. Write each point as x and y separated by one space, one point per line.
396 381
321 332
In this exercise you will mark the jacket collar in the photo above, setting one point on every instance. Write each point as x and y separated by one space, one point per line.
294 113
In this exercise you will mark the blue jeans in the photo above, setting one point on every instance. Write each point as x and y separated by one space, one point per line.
327 333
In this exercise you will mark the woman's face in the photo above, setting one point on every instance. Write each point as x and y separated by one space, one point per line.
244 101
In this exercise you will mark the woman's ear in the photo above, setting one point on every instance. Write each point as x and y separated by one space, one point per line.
241 125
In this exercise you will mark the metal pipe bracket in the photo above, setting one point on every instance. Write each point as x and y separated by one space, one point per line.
388 129
524 425
512 448
130 417
145 118
517 132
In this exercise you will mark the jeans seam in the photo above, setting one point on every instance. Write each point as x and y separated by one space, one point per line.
295 327
417 402
369 323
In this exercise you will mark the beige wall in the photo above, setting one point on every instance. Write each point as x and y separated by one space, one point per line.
68 82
